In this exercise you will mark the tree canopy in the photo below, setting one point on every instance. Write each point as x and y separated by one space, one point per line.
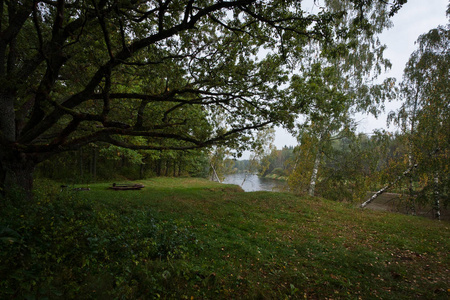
173 74
424 116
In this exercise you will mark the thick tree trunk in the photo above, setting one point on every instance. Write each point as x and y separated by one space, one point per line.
16 169
16 175
7 116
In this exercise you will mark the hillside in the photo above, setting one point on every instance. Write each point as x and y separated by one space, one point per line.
195 239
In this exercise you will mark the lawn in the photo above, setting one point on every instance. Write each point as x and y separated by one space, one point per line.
190 238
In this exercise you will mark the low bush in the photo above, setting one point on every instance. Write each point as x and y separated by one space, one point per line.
61 245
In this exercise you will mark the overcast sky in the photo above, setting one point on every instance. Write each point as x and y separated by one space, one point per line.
415 18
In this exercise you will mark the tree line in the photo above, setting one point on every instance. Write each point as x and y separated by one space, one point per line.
334 161
94 163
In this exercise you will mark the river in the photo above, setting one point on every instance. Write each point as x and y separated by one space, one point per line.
252 183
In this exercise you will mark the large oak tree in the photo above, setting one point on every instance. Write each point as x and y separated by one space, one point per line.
73 72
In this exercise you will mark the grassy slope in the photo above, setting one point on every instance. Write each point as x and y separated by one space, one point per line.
276 245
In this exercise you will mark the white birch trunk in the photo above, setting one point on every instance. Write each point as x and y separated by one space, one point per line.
411 187
410 154
312 183
215 174
245 178
437 205
387 186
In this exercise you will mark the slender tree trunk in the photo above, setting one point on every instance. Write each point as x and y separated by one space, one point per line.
180 168
94 164
387 186
124 161
315 171
166 172
141 171
412 198
410 154
91 165
180 164
215 176
437 205
159 167
80 161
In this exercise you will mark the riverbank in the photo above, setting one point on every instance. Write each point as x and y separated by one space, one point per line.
191 238
276 177
391 202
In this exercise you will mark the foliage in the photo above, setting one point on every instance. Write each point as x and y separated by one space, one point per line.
220 163
351 168
161 75
92 163
423 117
277 162
246 245
242 165
333 96
352 165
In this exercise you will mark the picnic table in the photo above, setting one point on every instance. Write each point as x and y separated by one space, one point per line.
126 186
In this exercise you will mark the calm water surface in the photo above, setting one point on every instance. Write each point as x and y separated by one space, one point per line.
252 183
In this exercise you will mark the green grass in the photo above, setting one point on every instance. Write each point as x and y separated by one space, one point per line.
191 238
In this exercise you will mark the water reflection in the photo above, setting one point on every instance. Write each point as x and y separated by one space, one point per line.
252 183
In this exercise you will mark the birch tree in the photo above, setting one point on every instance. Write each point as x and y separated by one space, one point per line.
424 115
332 100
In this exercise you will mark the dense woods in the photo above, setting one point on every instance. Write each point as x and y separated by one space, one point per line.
335 162
96 163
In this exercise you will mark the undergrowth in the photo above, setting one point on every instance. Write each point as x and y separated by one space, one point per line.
62 245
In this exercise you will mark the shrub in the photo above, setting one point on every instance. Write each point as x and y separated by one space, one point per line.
61 245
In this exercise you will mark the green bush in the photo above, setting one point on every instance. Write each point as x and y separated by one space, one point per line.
63 246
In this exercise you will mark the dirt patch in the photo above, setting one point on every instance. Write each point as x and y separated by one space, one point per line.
397 203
